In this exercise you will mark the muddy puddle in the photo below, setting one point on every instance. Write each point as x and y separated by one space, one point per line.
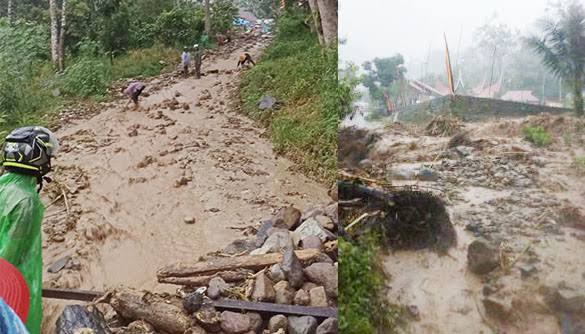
182 177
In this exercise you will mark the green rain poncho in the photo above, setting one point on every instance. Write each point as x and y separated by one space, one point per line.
21 213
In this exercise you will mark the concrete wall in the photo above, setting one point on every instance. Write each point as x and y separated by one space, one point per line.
473 108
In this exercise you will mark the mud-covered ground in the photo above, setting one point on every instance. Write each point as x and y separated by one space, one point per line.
522 207
180 178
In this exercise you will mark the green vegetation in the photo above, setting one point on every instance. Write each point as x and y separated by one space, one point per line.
362 304
561 48
302 76
537 135
104 41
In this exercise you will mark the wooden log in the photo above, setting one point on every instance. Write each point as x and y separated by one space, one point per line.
164 317
228 276
67 294
210 267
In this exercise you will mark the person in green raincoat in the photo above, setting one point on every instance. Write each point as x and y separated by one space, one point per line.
26 158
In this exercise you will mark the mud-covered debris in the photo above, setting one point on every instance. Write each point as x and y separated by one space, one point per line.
482 257
77 317
498 308
443 125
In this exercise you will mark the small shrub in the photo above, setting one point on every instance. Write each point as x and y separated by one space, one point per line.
362 304
537 135
87 77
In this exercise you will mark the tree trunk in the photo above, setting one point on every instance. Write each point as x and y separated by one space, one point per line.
54 31
328 15
578 96
62 36
317 20
11 11
207 18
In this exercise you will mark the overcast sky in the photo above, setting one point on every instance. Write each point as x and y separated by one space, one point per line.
381 28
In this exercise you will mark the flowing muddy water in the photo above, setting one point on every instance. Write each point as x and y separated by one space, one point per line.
499 188
133 179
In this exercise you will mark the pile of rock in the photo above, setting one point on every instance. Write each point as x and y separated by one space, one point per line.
288 265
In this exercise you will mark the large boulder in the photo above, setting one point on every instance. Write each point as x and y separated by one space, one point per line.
287 217
329 326
323 274
311 227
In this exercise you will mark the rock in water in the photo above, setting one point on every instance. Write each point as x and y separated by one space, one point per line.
263 289
292 268
76 317
329 326
323 274
482 257
234 323
302 325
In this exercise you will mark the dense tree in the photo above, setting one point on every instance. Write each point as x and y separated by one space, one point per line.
562 48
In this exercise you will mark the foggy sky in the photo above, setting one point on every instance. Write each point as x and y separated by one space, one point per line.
381 28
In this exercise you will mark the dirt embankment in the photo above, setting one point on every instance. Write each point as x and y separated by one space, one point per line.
519 214
182 177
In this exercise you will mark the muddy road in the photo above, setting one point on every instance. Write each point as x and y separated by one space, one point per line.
527 204
182 177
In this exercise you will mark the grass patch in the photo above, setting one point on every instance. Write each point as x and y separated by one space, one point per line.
537 135
302 76
37 96
363 307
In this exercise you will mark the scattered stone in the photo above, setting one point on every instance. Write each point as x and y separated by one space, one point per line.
234 323
217 287
302 298
138 327
318 297
311 227
240 246
292 268
565 299
283 293
527 271
312 242
189 220
263 289
266 102
287 217
275 273
311 213
256 322
428 174
302 325
275 243
325 222
184 180
59 265
277 322
413 312
482 257
402 173
329 326
209 319
497 308
324 274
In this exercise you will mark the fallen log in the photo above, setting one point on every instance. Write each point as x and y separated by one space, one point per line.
68 294
164 317
227 276
210 267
